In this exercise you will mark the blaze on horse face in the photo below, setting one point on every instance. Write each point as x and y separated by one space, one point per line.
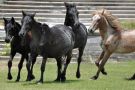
96 20
72 18
26 21
9 29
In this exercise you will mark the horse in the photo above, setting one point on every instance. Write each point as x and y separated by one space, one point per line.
79 29
114 39
17 44
56 42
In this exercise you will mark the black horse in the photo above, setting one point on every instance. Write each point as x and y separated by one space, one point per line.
56 42
18 45
80 31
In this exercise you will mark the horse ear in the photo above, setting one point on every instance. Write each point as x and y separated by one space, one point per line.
66 4
5 20
12 20
45 28
103 11
23 13
32 15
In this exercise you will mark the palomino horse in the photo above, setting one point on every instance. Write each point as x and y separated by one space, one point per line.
114 40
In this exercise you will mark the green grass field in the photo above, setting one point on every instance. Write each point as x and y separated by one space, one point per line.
115 80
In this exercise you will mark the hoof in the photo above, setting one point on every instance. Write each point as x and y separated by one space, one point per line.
103 72
28 79
39 82
32 77
17 80
94 78
63 79
57 80
9 77
78 75
132 78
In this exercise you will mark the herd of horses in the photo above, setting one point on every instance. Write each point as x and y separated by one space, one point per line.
33 38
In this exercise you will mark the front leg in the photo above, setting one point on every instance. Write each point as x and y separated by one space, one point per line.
20 65
12 54
98 61
42 69
59 65
105 58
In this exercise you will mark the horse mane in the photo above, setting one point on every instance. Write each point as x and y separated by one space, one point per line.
112 20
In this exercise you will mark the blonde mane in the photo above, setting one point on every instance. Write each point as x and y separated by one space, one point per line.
112 20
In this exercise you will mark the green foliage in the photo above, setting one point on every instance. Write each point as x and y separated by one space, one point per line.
128 25
115 80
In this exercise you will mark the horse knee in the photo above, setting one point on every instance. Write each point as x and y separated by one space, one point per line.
9 63
20 65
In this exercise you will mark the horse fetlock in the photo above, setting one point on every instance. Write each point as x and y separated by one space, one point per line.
9 76
78 75
32 77
94 77
40 81
18 79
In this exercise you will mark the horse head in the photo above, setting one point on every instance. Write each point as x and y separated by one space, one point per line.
72 18
27 21
97 19
10 29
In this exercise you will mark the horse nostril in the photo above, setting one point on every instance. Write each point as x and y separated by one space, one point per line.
7 40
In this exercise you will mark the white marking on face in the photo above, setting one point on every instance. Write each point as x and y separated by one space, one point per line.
96 17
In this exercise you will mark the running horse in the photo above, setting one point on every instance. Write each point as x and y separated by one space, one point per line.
114 38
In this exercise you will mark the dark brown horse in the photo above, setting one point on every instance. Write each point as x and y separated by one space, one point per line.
79 29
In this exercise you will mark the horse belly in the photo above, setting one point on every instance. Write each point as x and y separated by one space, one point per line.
126 46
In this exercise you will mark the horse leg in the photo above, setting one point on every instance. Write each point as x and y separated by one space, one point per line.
105 58
20 65
28 65
98 61
12 54
33 62
59 69
78 75
42 70
63 75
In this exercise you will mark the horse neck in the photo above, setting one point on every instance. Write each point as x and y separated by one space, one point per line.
36 31
17 28
103 29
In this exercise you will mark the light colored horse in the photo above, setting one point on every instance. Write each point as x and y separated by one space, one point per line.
114 40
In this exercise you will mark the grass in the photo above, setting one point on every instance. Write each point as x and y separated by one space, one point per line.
128 24
115 80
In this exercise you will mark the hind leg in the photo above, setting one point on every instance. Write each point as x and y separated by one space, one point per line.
78 75
59 65
98 61
20 65
12 54
42 70
63 75
33 62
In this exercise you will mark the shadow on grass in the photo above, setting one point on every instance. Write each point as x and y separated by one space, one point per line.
51 82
